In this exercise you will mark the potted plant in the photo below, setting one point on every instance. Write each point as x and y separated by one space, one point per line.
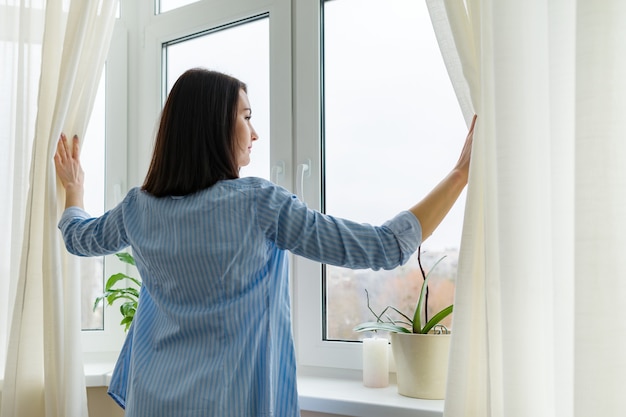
129 294
420 347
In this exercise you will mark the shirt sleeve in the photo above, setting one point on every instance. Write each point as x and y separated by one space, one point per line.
88 236
118 386
289 223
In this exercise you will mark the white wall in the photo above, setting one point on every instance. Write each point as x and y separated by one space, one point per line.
101 405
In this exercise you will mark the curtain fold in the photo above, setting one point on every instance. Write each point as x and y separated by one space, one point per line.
44 373
536 326
600 201
458 42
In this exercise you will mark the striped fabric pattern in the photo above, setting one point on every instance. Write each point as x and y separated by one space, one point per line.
212 335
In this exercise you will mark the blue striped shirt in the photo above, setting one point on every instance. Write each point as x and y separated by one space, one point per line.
212 334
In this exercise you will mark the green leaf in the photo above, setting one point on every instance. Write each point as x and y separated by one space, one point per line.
98 300
128 308
133 292
383 326
136 281
127 292
126 321
417 319
126 258
120 295
436 319
114 279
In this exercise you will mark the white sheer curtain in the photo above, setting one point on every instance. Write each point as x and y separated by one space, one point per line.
538 326
51 64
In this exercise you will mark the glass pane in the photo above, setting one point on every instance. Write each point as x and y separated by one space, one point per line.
393 129
92 274
243 52
167 5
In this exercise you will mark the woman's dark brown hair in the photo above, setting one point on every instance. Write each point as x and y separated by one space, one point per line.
194 146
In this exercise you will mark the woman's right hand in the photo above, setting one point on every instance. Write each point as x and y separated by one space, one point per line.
432 209
70 171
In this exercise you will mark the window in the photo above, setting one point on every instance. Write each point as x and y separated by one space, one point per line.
392 129
92 269
249 39
105 162
389 129
215 50
343 113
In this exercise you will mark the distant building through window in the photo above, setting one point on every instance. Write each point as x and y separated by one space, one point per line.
393 129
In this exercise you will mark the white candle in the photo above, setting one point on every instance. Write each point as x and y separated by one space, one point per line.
375 362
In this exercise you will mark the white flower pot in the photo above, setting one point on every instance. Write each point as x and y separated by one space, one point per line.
421 364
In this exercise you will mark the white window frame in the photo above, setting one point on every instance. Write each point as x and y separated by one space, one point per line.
110 339
313 351
201 17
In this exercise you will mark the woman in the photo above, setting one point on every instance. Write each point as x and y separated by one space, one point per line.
212 334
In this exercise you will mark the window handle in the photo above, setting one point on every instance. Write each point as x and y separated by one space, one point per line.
304 171
278 172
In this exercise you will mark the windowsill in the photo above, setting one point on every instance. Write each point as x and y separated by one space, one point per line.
336 395
98 368
349 397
